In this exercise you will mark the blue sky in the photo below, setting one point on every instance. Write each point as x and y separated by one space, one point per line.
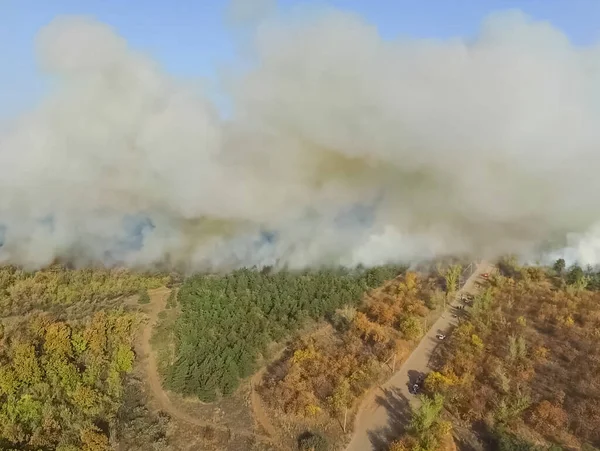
190 38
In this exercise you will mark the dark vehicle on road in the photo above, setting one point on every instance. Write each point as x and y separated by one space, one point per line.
416 387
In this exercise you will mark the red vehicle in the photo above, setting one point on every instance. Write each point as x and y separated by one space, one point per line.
485 275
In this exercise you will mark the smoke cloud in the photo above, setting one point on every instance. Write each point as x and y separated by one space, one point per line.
343 148
249 12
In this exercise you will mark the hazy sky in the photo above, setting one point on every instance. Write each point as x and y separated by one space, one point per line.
190 37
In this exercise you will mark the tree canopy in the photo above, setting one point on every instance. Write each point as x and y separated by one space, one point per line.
525 361
227 321
61 383
22 291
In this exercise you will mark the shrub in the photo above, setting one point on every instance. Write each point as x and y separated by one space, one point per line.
411 328
505 441
310 441
144 297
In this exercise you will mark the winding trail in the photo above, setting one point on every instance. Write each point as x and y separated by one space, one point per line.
385 413
258 410
158 302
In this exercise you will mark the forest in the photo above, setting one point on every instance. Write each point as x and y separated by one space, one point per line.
56 288
328 371
66 360
61 383
521 369
323 376
226 322
524 363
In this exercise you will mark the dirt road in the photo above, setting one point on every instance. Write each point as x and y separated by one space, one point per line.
158 301
385 413
258 410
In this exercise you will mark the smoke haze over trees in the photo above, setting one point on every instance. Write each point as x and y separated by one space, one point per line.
342 148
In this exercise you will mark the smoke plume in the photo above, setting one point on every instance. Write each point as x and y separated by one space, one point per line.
343 148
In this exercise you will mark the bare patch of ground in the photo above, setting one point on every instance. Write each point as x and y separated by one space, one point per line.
259 411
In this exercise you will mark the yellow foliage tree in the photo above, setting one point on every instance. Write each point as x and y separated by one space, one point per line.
25 364
96 335
92 439
411 328
87 399
368 329
312 410
410 285
307 353
57 341
342 396
540 354
439 383
477 342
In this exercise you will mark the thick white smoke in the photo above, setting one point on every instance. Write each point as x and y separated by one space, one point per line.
343 148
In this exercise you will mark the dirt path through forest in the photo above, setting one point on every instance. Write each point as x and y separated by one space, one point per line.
258 410
385 413
158 302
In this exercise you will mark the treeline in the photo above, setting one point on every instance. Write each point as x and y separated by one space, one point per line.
22 291
323 375
575 277
526 362
227 321
61 384
569 278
